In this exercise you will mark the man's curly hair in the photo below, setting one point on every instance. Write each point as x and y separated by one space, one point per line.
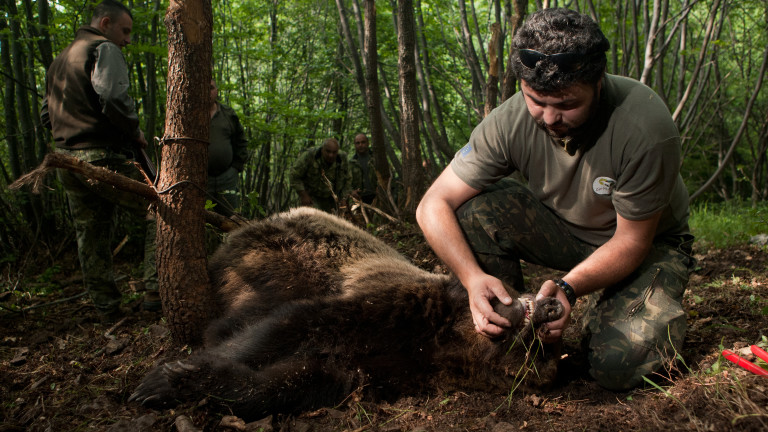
559 30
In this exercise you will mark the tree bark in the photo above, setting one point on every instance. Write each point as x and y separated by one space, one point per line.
44 44
433 111
181 257
492 85
150 99
470 56
373 104
413 172
18 60
9 108
509 84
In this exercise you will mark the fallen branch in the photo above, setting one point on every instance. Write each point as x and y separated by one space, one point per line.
34 179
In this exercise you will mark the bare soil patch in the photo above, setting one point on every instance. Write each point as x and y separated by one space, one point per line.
62 370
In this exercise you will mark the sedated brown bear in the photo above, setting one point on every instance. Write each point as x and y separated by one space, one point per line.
313 309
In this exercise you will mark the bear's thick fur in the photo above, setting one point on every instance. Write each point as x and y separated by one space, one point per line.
314 308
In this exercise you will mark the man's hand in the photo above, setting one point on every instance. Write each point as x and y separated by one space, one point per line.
482 290
141 141
552 331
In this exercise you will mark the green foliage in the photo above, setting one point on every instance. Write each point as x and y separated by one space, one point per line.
288 72
721 225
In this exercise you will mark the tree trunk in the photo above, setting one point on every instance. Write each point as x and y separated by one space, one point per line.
509 84
44 43
433 112
354 55
181 258
413 172
33 207
9 108
758 170
649 58
492 85
150 99
373 102
470 56
18 60
710 30
742 127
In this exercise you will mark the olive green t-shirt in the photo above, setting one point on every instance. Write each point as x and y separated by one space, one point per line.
628 162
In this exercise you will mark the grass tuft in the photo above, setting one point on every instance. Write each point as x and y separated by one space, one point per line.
722 225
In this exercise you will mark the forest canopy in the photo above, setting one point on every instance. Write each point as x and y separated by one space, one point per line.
294 73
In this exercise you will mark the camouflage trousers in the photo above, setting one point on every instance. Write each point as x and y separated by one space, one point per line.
222 191
633 328
94 206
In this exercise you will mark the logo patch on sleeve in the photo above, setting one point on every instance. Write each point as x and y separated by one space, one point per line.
465 150
603 185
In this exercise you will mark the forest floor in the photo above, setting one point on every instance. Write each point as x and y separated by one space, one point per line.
61 370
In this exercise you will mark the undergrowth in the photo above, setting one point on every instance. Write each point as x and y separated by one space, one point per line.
722 225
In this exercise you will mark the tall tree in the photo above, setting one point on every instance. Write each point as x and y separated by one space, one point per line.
516 17
413 172
373 99
181 257
431 108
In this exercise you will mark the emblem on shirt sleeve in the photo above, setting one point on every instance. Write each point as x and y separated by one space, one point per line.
603 185
465 150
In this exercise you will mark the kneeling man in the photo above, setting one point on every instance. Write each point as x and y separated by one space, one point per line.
603 201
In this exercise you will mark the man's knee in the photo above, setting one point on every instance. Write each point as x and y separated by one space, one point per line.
622 368
618 363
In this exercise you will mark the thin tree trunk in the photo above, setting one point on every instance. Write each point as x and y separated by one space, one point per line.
9 108
650 42
360 78
151 102
470 57
373 101
482 57
702 55
44 44
18 60
745 119
758 170
509 84
413 172
492 86
181 257
430 105
693 106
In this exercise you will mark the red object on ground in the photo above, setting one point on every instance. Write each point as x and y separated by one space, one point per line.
745 364
756 350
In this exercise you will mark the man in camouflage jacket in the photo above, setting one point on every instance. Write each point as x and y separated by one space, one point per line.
320 176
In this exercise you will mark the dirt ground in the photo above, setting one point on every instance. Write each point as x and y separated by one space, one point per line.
61 370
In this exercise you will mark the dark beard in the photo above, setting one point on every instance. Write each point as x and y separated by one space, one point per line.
572 138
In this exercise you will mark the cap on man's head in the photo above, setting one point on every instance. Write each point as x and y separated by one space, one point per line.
556 48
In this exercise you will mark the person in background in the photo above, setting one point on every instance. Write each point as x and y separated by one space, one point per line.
227 155
362 171
604 202
92 118
319 174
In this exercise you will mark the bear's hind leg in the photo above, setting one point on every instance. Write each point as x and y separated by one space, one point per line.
289 386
